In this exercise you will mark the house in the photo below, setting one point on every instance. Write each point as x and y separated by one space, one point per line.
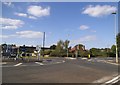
77 47
77 50
27 50
9 50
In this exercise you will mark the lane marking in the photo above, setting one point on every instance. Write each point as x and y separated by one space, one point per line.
111 63
70 58
58 62
1 63
84 58
90 60
114 80
63 61
39 63
18 64
104 79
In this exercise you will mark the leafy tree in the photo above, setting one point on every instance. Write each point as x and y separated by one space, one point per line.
53 47
46 52
60 49
95 51
59 46
66 44
113 49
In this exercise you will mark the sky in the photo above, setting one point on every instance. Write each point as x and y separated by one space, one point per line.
87 23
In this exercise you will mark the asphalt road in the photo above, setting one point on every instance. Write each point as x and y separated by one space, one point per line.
60 70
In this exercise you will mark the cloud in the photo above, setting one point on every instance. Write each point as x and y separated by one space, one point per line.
9 4
98 10
8 23
24 34
32 17
93 31
8 36
21 14
33 12
4 36
38 11
25 15
85 39
29 34
84 27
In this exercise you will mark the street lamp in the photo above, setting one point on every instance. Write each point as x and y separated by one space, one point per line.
67 46
115 37
43 43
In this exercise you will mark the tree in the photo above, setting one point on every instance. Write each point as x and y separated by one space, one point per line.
66 44
113 49
95 51
53 47
61 48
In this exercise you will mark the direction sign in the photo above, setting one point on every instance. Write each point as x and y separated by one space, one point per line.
38 47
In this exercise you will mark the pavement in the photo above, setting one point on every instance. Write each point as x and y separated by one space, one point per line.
61 70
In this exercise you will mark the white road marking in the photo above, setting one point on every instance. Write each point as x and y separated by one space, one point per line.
18 64
70 58
104 79
63 61
73 58
90 60
114 80
84 58
58 62
3 63
39 63
111 63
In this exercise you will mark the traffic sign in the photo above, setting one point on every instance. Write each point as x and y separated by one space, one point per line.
38 47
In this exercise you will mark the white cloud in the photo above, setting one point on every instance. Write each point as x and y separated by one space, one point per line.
8 36
32 17
98 10
29 34
35 11
21 14
25 15
85 39
93 30
4 36
8 4
8 23
38 11
84 27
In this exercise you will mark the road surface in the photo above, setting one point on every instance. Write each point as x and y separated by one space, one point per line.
60 70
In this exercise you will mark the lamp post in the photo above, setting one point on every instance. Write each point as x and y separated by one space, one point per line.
116 37
43 43
67 46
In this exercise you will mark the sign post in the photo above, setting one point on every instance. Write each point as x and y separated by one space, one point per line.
38 48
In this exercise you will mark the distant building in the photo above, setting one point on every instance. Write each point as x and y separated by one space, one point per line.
76 50
9 50
26 50
77 47
29 50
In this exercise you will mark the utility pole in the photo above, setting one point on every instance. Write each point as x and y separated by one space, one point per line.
38 48
116 37
43 43
67 46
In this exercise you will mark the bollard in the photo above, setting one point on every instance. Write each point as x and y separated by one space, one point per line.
88 56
